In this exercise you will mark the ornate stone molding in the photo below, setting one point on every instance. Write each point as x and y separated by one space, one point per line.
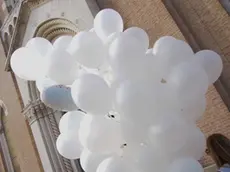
36 110
55 27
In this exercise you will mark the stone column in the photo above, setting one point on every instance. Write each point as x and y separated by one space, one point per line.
45 131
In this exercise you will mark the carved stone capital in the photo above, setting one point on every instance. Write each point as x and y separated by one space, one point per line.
36 110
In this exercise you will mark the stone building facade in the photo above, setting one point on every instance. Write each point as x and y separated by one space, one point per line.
30 128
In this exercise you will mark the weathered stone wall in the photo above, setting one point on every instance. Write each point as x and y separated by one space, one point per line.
211 25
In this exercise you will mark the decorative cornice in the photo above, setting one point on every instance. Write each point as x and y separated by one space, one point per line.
49 27
36 3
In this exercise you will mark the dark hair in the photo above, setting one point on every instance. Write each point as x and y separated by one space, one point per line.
218 147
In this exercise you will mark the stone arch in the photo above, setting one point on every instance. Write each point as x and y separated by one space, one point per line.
52 28
4 149
11 29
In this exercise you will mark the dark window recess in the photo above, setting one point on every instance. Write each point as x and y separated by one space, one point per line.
9 8
226 5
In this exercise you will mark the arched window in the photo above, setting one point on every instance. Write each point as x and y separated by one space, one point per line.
6 160
11 30
6 41
15 20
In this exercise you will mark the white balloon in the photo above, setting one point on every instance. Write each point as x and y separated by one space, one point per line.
163 41
186 164
90 161
106 22
68 145
124 49
39 45
140 35
190 108
149 51
170 52
58 97
211 62
62 67
137 102
133 133
184 77
149 69
62 42
100 135
138 69
92 94
70 121
195 144
147 159
130 150
111 38
88 49
92 30
26 64
125 56
115 164
183 96
44 82
169 134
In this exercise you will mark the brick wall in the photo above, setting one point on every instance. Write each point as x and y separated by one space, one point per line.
156 20
149 15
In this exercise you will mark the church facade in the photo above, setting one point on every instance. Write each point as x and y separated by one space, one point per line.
28 129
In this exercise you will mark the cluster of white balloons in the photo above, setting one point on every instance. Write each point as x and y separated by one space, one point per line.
138 105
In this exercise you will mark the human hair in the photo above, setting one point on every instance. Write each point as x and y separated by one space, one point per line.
218 147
